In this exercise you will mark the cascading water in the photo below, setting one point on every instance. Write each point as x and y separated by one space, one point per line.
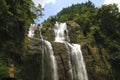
51 59
77 61
32 28
47 52
61 32
76 58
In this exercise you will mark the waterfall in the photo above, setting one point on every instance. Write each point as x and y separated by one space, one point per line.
51 59
76 58
76 62
47 52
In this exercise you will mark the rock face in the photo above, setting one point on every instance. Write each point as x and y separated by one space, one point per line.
62 58
31 67
96 60
33 61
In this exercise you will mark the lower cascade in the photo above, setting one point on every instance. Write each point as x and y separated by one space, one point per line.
77 68
48 50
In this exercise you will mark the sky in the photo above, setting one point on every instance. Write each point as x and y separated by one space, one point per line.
52 7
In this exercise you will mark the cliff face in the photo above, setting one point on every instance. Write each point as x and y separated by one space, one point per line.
33 61
96 58
31 66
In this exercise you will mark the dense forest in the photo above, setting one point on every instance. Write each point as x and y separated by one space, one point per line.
15 18
99 27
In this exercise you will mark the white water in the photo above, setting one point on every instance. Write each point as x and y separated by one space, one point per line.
46 45
40 29
77 62
78 65
61 32
32 29
52 59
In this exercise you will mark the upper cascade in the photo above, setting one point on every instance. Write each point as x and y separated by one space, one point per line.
32 28
61 32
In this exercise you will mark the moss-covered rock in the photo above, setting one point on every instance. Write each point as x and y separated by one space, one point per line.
30 68
97 62
75 32
62 58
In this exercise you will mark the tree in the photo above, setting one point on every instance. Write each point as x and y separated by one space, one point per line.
109 26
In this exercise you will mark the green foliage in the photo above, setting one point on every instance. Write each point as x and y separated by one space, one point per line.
3 66
15 17
109 33
3 70
109 25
